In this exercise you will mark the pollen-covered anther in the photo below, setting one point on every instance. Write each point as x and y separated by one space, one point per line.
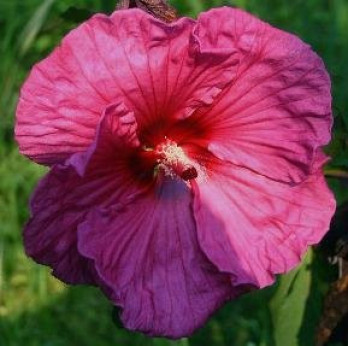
174 161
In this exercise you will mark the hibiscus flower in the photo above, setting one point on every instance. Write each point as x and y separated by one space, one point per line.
185 161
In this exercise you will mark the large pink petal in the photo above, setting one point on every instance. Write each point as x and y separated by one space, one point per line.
277 112
149 256
66 194
253 227
158 70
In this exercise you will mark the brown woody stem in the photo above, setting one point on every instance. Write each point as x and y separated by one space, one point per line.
158 8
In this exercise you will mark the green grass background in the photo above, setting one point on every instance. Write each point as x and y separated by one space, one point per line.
38 310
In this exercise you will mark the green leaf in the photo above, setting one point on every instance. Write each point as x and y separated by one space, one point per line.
289 303
76 15
33 27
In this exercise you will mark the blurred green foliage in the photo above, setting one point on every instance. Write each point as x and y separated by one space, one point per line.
36 309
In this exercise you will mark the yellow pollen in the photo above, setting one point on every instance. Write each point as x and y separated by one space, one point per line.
174 162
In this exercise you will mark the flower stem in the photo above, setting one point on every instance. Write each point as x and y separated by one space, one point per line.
336 173
158 8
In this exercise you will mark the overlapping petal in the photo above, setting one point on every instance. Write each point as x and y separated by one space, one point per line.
66 194
158 70
148 254
254 227
277 112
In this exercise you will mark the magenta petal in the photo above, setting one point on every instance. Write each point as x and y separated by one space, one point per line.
277 112
104 60
159 70
253 227
50 234
148 255
68 192
116 136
